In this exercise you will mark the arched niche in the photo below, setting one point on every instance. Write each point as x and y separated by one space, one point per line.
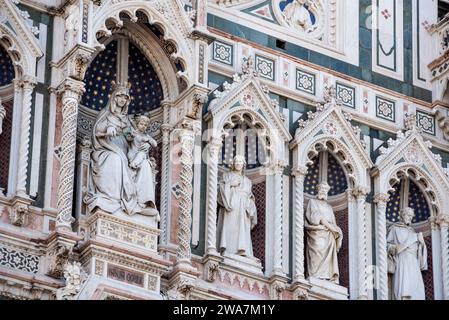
21 49
145 65
329 130
169 17
408 166
244 106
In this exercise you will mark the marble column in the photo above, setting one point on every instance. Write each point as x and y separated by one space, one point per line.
277 172
381 201
187 132
70 91
360 194
443 221
212 185
27 84
165 175
299 174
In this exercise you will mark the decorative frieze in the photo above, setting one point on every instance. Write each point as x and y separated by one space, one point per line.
346 95
425 122
265 67
19 260
107 226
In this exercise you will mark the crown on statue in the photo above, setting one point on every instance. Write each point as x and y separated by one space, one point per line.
121 88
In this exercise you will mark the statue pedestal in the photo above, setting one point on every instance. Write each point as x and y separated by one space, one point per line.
249 264
120 256
327 289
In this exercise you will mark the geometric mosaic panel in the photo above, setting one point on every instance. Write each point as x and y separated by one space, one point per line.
426 122
385 109
18 260
346 95
305 81
265 67
223 53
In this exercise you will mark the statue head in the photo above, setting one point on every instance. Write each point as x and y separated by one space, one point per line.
120 97
323 189
238 163
142 123
407 215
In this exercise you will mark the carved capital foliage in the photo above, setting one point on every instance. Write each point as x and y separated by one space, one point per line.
381 199
443 220
360 192
276 290
299 172
301 294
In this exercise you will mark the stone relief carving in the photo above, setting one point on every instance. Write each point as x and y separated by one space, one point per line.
298 16
71 26
324 238
407 257
122 175
75 277
237 211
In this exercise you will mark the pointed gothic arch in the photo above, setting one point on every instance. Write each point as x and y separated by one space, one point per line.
410 156
329 129
245 100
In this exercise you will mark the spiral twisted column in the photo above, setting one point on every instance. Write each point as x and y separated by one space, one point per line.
28 83
298 268
277 172
70 91
443 221
381 201
360 194
212 182
187 132
165 190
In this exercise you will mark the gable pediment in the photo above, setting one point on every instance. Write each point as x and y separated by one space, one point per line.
329 121
246 92
20 39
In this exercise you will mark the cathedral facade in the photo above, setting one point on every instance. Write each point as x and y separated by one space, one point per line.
218 149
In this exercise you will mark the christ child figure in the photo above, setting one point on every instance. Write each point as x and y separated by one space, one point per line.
141 142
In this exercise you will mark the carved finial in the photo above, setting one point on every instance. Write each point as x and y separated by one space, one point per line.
248 67
75 277
330 95
410 122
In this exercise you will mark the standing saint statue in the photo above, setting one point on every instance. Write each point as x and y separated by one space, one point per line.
323 238
407 257
114 186
237 211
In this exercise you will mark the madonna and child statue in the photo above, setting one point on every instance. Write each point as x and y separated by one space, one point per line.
122 174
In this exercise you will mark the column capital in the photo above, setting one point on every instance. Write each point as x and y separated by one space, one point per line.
71 87
381 198
299 171
443 220
277 167
188 126
360 192
28 82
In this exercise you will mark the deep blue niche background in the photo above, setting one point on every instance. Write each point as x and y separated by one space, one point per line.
146 90
416 200
336 177
6 68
